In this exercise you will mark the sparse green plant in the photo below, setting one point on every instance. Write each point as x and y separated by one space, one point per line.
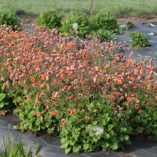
12 149
139 39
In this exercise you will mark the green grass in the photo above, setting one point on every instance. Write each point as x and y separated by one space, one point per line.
117 7
16 149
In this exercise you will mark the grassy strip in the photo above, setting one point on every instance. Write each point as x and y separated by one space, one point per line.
16 149
117 7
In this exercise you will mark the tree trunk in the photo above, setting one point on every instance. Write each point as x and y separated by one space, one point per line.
91 7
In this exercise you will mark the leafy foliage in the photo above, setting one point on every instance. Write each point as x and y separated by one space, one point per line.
99 128
103 35
104 21
9 18
82 21
50 19
139 39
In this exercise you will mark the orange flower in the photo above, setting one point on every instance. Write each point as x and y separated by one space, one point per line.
69 112
32 79
136 106
122 98
74 111
53 113
63 122
118 81
37 113
120 108
129 99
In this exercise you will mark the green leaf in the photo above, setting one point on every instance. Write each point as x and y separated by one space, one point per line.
65 145
110 127
115 146
86 146
2 96
107 136
105 145
76 148
2 105
126 137
67 151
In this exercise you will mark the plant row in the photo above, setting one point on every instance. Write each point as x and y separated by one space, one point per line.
102 25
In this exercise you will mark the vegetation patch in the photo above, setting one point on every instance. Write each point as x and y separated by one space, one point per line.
78 89
9 18
76 24
50 19
139 39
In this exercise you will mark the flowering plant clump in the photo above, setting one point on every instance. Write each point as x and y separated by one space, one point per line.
86 91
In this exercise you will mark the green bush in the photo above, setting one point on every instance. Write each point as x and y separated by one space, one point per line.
50 19
80 19
103 34
9 18
104 21
5 101
139 39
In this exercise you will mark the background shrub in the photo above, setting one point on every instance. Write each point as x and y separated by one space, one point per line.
50 19
104 21
9 18
83 24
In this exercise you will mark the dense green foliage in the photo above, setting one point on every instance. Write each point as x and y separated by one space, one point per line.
50 19
80 19
105 21
103 25
9 18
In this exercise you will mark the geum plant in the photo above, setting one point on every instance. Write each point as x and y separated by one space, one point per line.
78 89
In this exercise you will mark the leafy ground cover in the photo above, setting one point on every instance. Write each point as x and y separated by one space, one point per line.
121 8
87 92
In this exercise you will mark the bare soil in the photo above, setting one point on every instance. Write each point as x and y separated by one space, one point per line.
142 19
